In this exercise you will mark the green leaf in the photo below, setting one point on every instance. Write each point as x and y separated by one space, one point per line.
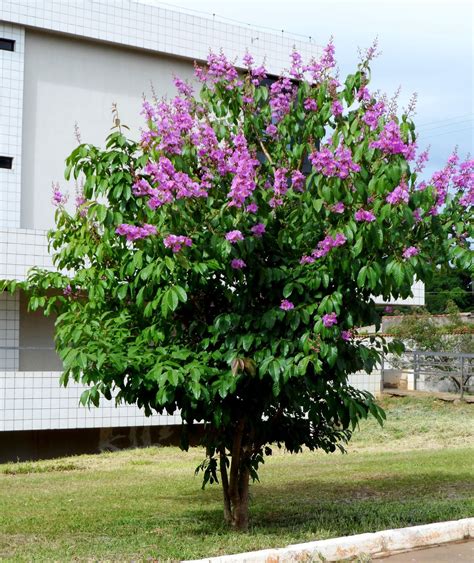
357 248
122 291
361 277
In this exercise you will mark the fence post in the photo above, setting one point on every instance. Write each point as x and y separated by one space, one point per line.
462 377
416 370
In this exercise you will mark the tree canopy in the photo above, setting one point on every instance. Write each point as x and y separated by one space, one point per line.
221 263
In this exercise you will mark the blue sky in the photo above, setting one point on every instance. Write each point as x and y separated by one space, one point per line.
427 47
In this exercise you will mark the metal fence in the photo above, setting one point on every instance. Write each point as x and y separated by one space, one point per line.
457 367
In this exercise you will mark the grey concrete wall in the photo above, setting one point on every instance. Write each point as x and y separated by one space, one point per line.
69 80
36 340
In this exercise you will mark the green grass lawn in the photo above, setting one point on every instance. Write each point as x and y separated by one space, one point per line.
142 504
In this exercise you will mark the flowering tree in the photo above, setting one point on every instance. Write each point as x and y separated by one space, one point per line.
221 264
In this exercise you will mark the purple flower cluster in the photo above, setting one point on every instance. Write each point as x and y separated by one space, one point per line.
361 215
234 236
282 93
242 164
280 187
324 246
329 320
410 252
363 94
421 161
464 181
218 69
417 214
258 230
399 194
442 179
338 207
331 164
176 242
390 142
347 335
58 198
298 180
310 105
169 123
168 184
271 130
296 70
320 69
336 108
238 264
372 115
286 305
183 87
132 232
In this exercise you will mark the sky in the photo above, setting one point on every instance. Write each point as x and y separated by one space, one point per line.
427 48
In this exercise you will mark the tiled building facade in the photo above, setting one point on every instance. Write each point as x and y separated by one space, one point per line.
69 62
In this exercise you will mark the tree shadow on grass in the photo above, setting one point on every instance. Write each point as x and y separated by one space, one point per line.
323 509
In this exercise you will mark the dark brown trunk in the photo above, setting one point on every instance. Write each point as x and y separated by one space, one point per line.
225 488
235 486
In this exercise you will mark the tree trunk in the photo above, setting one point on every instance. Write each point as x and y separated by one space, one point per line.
236 486
225 487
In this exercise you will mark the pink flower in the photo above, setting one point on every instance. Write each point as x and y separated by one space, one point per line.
373 114
234 236
258 229
271 130
58 199
183 87
176 242
390 142
338 207
329 320
399 195
410 252
364 216
247 60
310 105
132 232
252 208
337 164
417 214
298 180
346 335
307 260
388 309
286 305
238 264
336 108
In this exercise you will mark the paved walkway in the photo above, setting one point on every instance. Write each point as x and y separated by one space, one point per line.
450 553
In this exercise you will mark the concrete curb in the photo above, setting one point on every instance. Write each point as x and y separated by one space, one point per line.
384 543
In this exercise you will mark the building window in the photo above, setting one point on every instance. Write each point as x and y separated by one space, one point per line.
7 44
6 162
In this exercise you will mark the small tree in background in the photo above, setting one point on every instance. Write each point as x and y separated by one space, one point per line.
220 264
450 284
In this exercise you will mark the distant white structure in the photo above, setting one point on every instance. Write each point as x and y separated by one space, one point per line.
62 62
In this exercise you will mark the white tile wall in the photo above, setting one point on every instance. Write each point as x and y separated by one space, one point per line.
9 331
156 28
372 382
20 249
35 401
11 104
418 298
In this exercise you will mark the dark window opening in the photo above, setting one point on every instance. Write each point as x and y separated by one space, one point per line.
6 162
7 44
